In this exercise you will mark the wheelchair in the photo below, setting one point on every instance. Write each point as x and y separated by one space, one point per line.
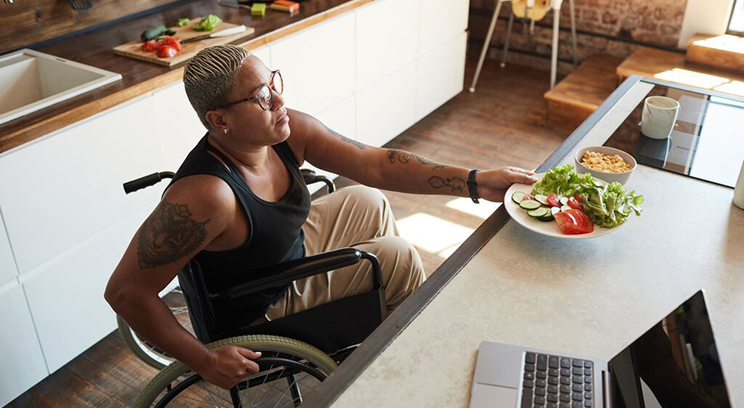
298 351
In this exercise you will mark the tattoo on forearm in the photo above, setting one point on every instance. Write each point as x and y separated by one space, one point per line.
168 235
361 146
455 184
405 157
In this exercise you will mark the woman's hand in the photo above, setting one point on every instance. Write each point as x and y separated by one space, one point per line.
229 365
492 184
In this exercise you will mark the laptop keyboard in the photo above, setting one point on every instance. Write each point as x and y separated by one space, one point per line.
557 382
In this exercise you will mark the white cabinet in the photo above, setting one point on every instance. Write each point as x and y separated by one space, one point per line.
264 54
387 37
65 188
8 269
441 20
21 362
178 125
387 107
317 65
66 294
439 75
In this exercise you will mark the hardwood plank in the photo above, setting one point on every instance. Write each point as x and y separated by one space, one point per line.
721 51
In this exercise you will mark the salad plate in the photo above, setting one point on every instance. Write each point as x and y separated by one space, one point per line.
550 228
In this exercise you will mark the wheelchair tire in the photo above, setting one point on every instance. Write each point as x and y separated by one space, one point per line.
177 379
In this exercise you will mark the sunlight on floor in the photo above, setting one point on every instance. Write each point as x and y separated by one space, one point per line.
433 234
482 210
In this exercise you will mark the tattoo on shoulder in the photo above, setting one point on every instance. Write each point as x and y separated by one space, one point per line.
405 157
454 184
169 234
361 146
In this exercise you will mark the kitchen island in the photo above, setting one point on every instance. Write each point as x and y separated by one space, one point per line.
590 297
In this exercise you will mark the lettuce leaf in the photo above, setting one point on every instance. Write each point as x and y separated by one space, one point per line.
607 205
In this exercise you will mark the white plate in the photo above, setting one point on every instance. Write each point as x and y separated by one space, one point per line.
549 228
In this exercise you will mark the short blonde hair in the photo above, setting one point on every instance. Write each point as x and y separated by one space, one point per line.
210 76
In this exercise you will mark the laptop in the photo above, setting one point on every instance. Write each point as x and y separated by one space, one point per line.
674 364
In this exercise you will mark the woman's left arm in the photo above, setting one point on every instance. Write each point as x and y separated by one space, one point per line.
392 169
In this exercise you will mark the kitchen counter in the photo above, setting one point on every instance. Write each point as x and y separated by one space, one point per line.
95 48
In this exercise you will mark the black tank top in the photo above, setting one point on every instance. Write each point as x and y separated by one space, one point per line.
275 233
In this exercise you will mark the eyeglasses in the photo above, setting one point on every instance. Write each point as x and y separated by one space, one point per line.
264 96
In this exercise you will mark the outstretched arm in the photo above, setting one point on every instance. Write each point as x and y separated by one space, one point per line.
392 169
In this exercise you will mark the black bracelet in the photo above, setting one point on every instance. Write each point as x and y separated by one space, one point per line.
473 186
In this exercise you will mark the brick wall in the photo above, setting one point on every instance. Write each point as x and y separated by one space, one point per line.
656 22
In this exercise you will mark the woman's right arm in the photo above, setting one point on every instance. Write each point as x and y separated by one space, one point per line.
179 227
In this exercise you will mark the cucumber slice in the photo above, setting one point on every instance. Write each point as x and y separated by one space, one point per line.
518 196
543 199
529 204
547 217
564 200
538 212
565 207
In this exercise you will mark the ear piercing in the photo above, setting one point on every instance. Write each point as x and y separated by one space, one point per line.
225 130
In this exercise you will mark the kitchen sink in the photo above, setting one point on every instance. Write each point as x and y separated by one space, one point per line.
31 80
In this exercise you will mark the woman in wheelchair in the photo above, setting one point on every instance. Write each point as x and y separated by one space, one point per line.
238 206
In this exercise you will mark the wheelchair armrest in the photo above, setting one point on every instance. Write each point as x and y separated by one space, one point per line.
310 178
287 272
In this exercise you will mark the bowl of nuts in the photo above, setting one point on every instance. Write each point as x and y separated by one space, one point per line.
605 163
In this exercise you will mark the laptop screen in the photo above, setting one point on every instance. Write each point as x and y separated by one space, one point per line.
674 364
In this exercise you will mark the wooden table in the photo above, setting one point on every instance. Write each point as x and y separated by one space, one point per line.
593 297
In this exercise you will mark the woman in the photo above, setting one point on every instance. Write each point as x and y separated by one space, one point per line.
238 204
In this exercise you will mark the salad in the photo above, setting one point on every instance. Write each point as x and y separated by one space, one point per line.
578 202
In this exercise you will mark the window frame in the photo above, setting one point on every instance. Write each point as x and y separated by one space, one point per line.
731 17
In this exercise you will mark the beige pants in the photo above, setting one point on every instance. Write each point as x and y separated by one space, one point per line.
358 217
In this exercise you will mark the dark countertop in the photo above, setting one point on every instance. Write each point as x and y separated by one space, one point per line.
95 48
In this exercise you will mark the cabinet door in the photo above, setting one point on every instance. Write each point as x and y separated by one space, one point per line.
387 107
441 20
8 269
387 37
178 124
440 75
22 362
342 119
67 187
66 294
317 65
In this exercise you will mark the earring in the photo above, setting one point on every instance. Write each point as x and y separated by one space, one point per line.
225 130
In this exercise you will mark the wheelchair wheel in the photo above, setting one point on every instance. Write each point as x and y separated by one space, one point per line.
147 351
290 371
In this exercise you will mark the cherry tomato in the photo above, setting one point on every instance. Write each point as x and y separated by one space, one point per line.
151 46
173 42
167 51
554 200
578 198
573 203
573 221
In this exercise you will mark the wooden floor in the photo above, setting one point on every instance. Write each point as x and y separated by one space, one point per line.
503 123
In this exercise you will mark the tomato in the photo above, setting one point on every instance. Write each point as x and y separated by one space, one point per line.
173 42
573 203
554 200
167 51
573 221
578 198
151 46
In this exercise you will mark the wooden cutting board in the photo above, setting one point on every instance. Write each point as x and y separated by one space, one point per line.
132 49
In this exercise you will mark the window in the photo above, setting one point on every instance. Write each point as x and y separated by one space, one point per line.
736 23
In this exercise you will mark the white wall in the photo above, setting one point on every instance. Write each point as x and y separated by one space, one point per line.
704 17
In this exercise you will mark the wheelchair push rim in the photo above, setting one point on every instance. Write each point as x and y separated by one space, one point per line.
292 364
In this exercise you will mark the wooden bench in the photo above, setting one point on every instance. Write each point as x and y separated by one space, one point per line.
573 99
719 51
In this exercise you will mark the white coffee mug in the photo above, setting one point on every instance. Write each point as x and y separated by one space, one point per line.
659 115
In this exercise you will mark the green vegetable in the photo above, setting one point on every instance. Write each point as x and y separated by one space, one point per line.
169 32
208 23
607 205
152 33
182 22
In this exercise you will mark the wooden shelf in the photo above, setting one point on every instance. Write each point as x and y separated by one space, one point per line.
720 51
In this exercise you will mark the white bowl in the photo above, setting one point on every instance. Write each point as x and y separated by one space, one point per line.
621 178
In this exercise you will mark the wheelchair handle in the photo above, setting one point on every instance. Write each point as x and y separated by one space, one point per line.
146 181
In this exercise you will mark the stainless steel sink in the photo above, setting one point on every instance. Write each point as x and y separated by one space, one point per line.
31 80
